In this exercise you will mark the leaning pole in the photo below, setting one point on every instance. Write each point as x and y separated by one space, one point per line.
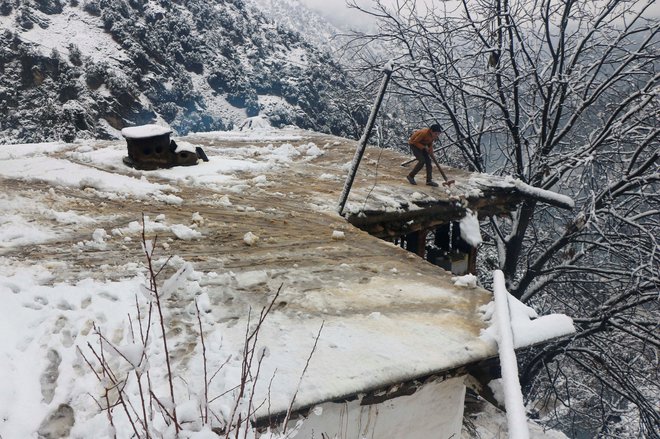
362 144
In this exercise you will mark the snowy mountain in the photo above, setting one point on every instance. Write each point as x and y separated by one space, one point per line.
82 69
293 14
330 28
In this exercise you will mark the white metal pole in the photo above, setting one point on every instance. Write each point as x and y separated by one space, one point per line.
513 399
362 144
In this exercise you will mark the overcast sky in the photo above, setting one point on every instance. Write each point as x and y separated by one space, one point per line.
338 13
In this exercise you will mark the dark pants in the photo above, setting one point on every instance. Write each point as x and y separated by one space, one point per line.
423 159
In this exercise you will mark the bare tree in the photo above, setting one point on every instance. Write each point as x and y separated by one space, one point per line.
563 95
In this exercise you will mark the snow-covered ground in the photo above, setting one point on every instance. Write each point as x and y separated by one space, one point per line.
353 312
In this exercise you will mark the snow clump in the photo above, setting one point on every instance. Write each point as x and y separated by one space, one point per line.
99 236
224 201
250 238
338 234
197 219
184 232
469 281
470 231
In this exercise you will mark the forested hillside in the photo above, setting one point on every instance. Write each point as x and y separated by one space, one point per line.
79 69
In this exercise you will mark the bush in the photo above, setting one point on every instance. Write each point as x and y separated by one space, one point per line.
92 7
24 20
49 6
6 7
168 111
75 56
96 75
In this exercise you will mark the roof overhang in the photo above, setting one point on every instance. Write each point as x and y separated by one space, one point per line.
399 209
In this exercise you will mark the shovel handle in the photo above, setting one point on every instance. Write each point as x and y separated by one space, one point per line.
439 168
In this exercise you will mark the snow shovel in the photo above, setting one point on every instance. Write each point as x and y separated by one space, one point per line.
447 181
407 162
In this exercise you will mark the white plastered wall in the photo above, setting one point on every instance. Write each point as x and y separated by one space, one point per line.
434 411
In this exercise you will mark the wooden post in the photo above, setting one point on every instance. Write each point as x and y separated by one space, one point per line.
362 144
421 243
472 261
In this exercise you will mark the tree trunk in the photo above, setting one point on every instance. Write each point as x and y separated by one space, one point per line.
514 246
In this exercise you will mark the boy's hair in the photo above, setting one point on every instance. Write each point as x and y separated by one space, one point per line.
436 128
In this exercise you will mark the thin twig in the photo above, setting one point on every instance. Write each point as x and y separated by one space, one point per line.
159 307
288 412
205 417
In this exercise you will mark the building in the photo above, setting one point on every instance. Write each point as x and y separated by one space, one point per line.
364 336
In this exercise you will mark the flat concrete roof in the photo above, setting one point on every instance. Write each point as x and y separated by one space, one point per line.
388 316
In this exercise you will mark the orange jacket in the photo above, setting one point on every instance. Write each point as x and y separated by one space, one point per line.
422 139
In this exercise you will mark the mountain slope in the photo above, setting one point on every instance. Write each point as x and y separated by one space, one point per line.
87 69
293 14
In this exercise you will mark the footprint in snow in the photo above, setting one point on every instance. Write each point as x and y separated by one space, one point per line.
109 296
13 287
63 305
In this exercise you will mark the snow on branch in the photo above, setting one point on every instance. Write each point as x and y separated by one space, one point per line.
543 195
528 328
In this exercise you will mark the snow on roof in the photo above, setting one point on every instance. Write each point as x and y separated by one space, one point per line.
258 217
144 131
382 205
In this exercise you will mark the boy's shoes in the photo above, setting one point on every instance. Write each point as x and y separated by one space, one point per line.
432 183
411 180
